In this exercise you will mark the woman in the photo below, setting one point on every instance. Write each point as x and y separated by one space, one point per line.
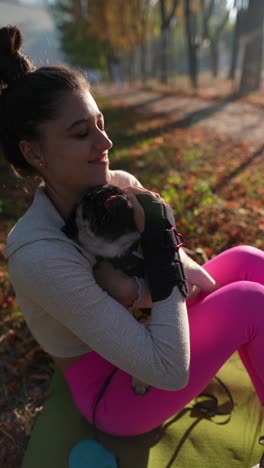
52 127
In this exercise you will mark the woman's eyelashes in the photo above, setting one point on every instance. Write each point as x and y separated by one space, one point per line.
86 132
82 135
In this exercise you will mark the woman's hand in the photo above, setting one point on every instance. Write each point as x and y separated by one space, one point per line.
124 289
197 277
139 215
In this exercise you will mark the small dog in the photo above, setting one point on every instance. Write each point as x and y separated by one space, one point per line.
103 224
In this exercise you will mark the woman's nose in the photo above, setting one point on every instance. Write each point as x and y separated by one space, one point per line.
102 141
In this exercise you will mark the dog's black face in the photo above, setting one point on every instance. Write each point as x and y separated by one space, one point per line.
109 212
105 211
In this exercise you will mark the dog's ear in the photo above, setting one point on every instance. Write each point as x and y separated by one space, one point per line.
70 227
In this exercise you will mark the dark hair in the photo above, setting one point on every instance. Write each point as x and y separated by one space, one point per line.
28 96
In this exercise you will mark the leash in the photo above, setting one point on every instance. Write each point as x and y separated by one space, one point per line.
214 410
206 409
91 452
206 404
98 399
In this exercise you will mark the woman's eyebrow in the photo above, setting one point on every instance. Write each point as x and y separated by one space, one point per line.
80 121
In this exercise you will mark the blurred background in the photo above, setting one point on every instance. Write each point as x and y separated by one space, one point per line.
180 44
180 85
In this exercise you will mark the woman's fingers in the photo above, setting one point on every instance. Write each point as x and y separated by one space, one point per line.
193 291
139 215
139 190
197 275
134 189
157 195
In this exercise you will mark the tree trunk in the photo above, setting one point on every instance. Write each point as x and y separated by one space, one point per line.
235 45
143 51
165 21
214 45
191 44
109 67
214 51
252 61
164 56
131 66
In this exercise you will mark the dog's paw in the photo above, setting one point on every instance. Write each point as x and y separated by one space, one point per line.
139 387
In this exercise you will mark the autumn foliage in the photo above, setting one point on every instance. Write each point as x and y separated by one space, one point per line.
215 186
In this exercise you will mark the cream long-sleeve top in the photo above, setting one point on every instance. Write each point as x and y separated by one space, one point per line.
69 314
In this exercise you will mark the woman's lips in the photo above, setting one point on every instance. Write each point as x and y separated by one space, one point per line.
101 160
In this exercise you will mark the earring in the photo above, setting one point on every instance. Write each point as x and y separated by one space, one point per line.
41 164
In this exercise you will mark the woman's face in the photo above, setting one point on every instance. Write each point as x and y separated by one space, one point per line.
74 146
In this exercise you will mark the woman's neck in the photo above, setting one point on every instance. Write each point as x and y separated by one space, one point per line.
63 201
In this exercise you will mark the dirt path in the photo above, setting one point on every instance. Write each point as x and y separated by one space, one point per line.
240 120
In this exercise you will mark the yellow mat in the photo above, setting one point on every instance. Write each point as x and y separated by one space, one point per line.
186 441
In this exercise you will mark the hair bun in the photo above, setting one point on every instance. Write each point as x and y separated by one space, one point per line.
10 40
13 63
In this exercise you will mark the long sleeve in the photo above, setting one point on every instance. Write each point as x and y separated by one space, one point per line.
58 280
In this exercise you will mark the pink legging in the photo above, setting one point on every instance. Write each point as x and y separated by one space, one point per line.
230 319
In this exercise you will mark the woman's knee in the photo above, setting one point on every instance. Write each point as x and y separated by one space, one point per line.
248 261
238 263
247 296
244 251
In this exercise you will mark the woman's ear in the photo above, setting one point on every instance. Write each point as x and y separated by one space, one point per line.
31 152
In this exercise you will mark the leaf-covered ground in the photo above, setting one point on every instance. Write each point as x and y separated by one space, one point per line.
215 186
